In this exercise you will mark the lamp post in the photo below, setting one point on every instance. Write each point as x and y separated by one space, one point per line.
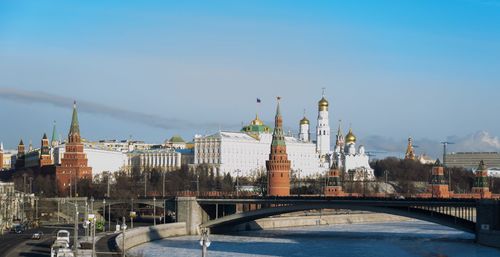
204 242
123 227
75 231
300 186
163 188
104 214
238 182
154 211
145 184
109 216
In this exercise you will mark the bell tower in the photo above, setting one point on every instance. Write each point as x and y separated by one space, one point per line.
323 128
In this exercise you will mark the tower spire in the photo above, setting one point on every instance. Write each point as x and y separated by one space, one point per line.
74 130
53 141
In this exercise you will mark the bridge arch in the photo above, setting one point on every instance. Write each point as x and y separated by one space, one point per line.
410 212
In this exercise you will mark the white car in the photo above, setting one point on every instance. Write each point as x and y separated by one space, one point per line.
37 236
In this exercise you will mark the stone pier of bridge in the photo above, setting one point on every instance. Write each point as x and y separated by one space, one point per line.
488 223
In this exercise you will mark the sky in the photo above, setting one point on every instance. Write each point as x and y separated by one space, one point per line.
148 70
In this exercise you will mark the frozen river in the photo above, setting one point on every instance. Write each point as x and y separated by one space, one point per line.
412 238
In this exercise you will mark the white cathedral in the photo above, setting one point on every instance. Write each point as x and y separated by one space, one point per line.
244 153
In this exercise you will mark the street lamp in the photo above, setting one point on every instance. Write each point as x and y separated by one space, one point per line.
204 241
237 183
300 186
123 227
154 210
104 214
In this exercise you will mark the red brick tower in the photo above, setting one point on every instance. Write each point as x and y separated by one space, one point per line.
438 186
20 156
334 185
74 163
481 185
278 165
45 158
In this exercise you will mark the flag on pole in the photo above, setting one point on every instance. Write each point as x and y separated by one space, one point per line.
258 100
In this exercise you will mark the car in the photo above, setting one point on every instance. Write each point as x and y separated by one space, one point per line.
37 235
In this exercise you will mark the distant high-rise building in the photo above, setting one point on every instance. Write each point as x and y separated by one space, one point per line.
410 154
74 163
278 165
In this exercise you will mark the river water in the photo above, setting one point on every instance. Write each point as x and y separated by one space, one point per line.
401 239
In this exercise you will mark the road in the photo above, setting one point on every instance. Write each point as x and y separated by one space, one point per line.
13 245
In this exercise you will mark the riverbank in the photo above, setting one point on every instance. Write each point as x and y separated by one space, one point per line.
314 219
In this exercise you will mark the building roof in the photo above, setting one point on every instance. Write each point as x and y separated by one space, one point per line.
176 139
75 126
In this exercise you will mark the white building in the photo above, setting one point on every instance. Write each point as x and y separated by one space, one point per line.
164 159
248 150
351 160
99 159
230 152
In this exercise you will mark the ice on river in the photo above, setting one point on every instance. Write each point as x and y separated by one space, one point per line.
401 239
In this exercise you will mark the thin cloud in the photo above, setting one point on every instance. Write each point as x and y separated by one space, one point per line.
17 95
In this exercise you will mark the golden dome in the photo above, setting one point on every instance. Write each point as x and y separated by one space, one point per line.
350 137
304 121
323 104
257 121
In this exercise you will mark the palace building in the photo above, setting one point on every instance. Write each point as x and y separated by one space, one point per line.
245 152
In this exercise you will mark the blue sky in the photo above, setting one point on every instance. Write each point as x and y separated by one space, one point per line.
428 69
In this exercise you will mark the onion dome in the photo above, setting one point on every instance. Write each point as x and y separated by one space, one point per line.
350 137
323 104
257 121
304 121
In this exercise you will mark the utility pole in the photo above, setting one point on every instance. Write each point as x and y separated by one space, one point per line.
107 192
24 182
300 186
237 183
145 184
163 188
154 210
31 184
75 231
104 213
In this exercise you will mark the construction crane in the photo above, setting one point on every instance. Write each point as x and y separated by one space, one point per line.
445 144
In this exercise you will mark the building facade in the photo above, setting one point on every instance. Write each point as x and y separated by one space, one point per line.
351 160
164 159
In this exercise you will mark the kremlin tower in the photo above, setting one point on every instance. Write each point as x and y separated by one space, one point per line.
438 186
334 185
45 156
278 165
481 185
74 163
20 156
323 129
